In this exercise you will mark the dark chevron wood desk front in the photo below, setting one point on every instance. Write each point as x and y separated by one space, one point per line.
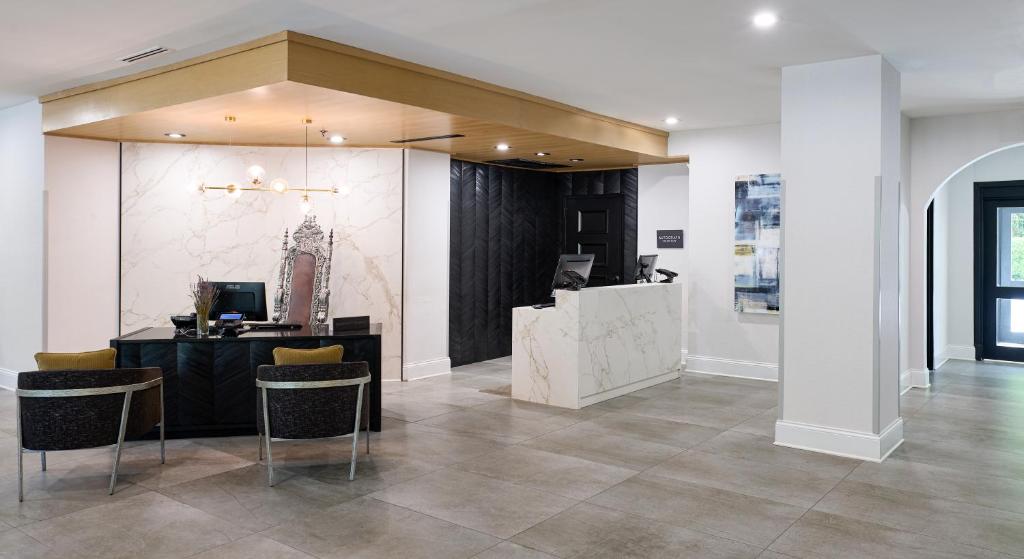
210 383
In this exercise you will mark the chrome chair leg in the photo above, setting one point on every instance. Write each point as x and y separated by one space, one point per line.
120 439
163 458
355 433
266 429
42 459
21 492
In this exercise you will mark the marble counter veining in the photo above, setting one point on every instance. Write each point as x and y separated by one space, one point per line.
597 343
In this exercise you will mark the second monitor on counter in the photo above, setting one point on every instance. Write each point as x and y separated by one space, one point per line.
645 268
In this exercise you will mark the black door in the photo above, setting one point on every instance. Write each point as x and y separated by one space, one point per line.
999 270
593 225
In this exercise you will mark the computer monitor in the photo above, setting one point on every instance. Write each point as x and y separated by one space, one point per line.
645 267
579 263
246 297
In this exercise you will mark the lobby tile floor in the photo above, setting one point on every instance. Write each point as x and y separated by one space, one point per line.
684 469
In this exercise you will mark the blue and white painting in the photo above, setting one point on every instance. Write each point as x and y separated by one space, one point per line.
758 206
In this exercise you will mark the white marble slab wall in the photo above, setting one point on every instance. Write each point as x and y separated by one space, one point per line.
170 233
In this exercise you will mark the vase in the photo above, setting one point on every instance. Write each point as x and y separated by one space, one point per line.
202 323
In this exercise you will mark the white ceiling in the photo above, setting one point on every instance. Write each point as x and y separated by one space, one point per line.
639 60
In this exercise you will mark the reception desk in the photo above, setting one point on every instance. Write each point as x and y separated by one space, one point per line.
597 343
210 383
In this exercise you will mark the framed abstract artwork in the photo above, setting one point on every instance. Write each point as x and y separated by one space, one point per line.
756 249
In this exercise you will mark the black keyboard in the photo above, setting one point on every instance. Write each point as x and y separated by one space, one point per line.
273 326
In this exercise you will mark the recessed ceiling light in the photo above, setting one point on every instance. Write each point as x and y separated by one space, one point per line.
501 147
336 139
671 120
764 20
542 154
576 160
175 135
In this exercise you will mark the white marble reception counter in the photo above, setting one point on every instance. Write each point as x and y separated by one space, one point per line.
597 343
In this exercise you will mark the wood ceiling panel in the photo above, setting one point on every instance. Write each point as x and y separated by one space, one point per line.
271 85
272 115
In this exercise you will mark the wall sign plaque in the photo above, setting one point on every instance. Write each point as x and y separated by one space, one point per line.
670 238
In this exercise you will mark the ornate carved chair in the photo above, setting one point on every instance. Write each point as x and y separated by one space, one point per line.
303 283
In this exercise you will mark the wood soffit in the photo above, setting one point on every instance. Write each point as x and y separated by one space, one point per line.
271 84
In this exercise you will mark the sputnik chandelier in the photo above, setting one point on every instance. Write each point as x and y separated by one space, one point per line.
256 181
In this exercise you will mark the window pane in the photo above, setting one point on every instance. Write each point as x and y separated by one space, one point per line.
1010 322
1010 233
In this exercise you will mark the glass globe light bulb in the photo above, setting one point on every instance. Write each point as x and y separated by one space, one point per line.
256 172
279 185
305 206
234 191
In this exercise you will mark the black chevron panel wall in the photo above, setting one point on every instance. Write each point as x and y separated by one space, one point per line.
506 227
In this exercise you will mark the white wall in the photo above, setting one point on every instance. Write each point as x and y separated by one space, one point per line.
427 229
21 228
663 203
939 147
82 201
720 340
956 228
904 252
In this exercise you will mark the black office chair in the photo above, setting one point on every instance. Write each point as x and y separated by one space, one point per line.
311 402
77 409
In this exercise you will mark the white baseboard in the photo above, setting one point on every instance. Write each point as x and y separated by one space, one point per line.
732 367
961 352
429 368
8 379
840 442
919 378
905 384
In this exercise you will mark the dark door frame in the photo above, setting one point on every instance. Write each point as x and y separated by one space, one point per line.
985 192
930 287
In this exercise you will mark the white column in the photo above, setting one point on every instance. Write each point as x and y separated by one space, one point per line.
425 293
21 228
839 353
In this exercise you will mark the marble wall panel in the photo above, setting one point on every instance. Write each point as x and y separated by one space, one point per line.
170 233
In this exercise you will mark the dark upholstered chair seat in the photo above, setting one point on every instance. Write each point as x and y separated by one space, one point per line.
312 413
85 421
75 409
301 404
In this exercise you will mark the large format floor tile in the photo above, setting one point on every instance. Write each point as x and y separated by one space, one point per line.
796 487
150 525
686 468
596 532
715 511
371 528
819 534
940 518
549 472
485 504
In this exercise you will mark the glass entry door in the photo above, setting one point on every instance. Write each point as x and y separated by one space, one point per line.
1001 286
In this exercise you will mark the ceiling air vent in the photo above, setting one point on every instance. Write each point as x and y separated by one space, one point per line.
152 51
427 138
527 163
